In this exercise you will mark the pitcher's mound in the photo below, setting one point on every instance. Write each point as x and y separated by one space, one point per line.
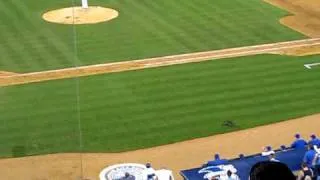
79 15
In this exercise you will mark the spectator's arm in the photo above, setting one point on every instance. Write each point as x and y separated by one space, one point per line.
300 175
305 158
316 149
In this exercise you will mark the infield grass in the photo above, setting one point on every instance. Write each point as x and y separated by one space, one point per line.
145 108
145 28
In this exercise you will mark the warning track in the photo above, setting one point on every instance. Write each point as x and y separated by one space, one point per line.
25 78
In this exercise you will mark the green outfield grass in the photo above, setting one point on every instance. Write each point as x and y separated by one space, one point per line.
139 109
145 28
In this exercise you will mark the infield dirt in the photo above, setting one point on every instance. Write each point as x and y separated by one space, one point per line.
305 16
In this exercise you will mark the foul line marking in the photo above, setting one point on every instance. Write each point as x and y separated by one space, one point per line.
309 66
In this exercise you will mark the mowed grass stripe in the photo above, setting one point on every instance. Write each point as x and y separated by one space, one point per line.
191 26
180 33
27 33
17 43
241 102
138 109
58 50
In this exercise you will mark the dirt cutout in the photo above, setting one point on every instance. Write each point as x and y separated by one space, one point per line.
178 156
79 15
305 18
302 51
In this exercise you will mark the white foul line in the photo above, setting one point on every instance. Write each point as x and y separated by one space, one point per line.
310 65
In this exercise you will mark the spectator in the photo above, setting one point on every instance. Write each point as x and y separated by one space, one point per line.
267 151
128 176
272 157
314 140
215 178
164 174
230 176
299 142
316 163
305 173
309 156
283 147
149 173
268 170
217 161
316 160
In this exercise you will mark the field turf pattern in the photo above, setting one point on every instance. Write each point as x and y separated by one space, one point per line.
139 109
145 28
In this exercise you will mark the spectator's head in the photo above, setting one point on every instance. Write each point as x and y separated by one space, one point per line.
216 156
304 165
229 173
126 174
241 156
297 136
268 170
272 156
310 146
268 148
215 178
313 136
283 147
148 165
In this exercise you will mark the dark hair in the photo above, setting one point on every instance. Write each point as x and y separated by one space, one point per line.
303 165
310 145
268 170
229 173
148 165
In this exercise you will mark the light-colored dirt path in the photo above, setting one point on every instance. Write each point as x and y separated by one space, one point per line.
303 51
156 62
178 156
6 73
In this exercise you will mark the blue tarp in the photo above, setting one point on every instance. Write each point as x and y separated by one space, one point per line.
291 157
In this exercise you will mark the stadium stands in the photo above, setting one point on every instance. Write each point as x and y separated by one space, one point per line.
292 157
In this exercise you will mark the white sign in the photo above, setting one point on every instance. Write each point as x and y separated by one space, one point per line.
118 171
217 171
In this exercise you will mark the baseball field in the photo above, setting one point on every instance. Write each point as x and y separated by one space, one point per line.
162 72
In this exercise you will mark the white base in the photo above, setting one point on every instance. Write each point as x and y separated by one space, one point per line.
85 4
